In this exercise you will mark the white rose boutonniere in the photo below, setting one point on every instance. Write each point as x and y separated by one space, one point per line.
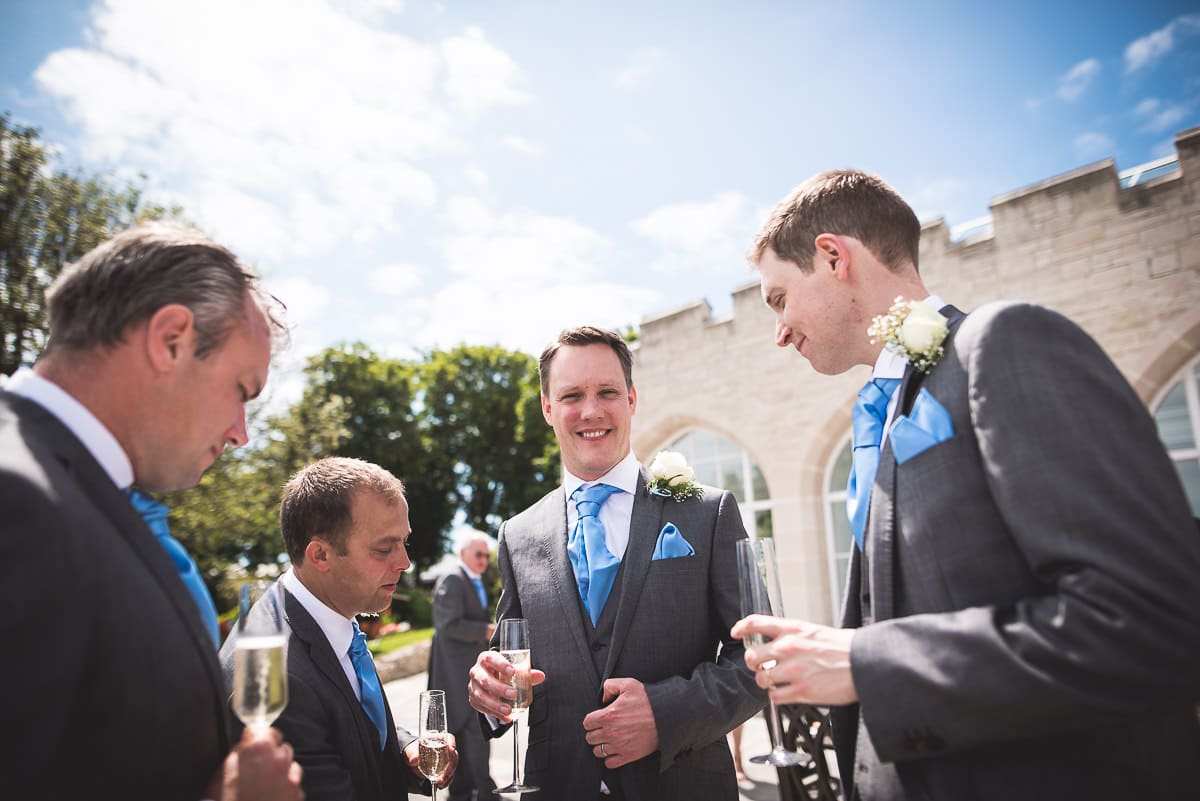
671 477
914 330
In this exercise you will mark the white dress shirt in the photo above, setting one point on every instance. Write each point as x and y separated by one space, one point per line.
98 440
617 511
338 630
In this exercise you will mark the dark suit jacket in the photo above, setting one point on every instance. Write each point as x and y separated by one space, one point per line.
1035 581
112 683
671 617
459 633
335 742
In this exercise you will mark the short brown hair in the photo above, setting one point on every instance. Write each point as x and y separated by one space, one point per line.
847 203
125 280
586 335
317 500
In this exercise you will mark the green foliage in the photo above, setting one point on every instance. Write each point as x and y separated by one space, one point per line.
392 642
413 605
48 219
484 404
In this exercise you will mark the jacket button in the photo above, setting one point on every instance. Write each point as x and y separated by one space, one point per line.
597 646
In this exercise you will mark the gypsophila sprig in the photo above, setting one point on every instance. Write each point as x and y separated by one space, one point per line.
672 477
913 329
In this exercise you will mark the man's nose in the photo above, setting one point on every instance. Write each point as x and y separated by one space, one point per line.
783 334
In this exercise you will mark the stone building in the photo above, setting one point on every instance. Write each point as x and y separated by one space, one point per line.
1118 252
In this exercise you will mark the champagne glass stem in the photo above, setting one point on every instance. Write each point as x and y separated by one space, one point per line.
773 724
516 753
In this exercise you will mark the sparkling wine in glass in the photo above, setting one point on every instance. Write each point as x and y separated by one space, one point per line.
259 656
514 646
433 748
760 593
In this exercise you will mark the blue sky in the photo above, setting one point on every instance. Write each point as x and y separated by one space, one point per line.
415 174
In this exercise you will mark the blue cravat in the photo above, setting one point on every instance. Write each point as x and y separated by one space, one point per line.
869 413
595 566
155 515
478 582
368 683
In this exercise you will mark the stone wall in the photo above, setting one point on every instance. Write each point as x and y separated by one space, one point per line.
1124 263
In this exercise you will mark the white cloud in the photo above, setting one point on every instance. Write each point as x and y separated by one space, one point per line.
643 65
396 279
1146 51
479 74
938 197
305 300
1077 79
287 152
1093 145
521 145
707 236
1157 117
519 278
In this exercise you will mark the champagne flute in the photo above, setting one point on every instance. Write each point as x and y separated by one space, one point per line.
514 646
259 656
433 749
760 593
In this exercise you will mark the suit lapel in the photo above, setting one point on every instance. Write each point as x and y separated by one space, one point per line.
472 595
553 547
644 526
882 522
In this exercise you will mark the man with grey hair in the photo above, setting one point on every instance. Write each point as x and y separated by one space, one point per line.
158 339
462 627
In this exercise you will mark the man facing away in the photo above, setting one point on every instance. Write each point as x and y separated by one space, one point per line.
635 702
461 629
1022 617
345 527
157 340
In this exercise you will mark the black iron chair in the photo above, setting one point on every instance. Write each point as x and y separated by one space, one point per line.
806 728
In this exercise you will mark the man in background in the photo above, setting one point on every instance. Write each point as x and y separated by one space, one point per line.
158 338
461 629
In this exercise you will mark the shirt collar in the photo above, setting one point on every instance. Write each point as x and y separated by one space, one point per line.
98 440
623 476
338 630
891 364
463 566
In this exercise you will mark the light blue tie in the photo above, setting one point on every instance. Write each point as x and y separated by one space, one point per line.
155 515
368 683
595 566
481 592
869 413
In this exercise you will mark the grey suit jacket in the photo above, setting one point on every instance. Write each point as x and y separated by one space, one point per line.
113 683
334 740
460 625
1035 582
672 616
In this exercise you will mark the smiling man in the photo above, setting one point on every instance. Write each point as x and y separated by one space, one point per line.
345 527
628 596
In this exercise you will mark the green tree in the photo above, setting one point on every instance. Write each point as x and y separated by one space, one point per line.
386 424
49 218
483 404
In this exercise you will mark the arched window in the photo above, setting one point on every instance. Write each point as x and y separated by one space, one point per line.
720 462
1177 414
838 538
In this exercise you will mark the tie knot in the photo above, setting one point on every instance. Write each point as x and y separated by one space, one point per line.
876 393
150 509
358 645
589 500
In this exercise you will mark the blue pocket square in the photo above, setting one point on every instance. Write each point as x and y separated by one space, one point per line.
671 544
925 426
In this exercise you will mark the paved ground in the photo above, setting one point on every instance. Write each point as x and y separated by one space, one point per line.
762 784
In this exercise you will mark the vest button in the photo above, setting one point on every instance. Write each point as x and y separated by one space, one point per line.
597 646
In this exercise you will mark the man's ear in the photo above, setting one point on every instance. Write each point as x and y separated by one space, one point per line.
319 554
169 335
546 411
833 253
